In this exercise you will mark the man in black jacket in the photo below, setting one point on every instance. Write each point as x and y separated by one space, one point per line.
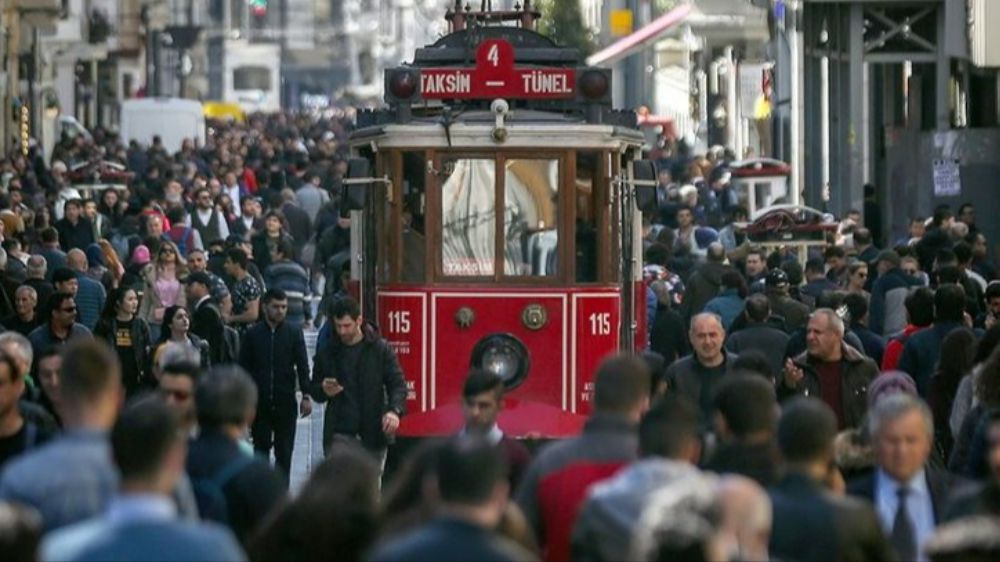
274 353
759 334
744 421
698 375
75 231
206 319
359 374
810 523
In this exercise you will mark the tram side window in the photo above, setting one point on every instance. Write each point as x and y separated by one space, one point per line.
587 171
468 217
531 218
414 235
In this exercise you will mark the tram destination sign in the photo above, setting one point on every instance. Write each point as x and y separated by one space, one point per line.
496 76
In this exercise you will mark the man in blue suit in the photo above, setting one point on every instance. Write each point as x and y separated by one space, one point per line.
149 449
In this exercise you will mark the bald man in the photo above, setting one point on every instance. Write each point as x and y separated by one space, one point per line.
696 376
91 294
746 517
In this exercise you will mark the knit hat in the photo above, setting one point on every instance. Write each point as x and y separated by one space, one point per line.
95 256
140 255
889 383
703 236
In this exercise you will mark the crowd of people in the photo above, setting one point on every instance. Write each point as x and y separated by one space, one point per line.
153 359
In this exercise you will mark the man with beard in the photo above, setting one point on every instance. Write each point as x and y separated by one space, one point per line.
359 377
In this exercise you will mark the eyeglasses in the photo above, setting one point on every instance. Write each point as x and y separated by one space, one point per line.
166 251
70 310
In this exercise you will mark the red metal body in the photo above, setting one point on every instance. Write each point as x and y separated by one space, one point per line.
582 327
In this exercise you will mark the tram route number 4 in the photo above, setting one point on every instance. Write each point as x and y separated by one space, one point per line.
496 76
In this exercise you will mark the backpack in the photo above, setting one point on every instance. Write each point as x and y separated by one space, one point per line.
230 352
182 245
209 494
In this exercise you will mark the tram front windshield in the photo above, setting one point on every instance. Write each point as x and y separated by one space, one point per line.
529 198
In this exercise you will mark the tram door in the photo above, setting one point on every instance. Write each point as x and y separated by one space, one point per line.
364 195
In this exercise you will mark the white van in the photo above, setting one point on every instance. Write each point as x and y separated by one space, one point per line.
173 119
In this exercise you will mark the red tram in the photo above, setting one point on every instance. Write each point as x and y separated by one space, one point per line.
495 116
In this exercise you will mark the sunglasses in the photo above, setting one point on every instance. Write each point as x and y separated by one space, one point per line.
70 310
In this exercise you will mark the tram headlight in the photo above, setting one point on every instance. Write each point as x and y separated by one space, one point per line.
594 84
503 355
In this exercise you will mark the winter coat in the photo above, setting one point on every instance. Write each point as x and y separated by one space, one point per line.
702 286
381 385
857 372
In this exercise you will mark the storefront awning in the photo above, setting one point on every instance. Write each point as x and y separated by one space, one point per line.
640 38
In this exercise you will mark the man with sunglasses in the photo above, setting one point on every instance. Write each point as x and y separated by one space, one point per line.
61 326
208 220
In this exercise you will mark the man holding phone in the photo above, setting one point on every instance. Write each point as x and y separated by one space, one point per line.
359 375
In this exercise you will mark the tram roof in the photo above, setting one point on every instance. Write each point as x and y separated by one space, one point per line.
473 130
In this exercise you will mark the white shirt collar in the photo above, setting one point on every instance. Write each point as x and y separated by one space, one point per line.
917 484
494 435
129 507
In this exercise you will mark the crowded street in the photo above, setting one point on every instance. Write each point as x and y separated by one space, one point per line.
689 280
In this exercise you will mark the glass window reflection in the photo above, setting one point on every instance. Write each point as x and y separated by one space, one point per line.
468 217
531 217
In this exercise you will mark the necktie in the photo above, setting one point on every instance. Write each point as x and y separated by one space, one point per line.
904 536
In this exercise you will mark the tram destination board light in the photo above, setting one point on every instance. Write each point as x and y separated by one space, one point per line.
495 76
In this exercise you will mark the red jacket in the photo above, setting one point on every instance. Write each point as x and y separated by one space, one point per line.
894 349
250 180
557 482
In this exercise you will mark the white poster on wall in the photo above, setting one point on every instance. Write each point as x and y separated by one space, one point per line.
947 178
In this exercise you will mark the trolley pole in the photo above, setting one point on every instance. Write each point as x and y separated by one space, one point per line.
795 45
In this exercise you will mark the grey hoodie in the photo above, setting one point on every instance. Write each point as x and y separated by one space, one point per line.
603 529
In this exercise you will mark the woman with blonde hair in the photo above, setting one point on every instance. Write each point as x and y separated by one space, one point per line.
162 287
